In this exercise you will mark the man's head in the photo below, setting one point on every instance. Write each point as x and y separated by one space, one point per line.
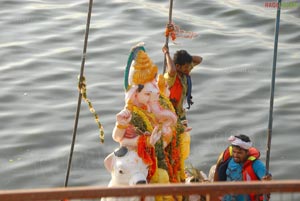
182 60
240 146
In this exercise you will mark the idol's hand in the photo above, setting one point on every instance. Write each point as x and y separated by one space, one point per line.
123 117
155 136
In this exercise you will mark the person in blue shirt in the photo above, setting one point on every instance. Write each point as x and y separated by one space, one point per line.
240 162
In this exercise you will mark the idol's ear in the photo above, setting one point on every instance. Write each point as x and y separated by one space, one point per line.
108 162
129 96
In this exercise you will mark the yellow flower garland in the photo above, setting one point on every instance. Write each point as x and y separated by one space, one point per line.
142 114
164 101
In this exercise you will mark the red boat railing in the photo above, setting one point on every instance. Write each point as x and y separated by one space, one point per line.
209 190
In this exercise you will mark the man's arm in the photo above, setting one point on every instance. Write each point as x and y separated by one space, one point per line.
260 170
171 68
196 60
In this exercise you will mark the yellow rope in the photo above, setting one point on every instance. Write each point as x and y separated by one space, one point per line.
82 89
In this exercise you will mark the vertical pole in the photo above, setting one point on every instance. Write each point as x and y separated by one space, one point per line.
167 37
79 95
270 125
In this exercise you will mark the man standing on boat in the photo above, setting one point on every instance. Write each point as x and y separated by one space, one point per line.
179 80
240 162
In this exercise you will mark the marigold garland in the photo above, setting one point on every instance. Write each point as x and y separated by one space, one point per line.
170 31
173 159
141 114
166 103
174 31
176 154
160 155
147 153
140 119
169 166
168 158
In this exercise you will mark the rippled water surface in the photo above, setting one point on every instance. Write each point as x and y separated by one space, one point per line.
41 48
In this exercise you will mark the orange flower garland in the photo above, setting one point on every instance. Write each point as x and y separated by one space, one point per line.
172 158
170 31
147 153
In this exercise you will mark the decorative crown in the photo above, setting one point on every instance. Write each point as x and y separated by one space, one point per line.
144 70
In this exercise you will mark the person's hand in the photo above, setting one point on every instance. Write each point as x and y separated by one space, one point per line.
123 117
170 27
268 177
165 49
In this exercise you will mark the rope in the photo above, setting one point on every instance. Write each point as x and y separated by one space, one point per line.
79 95
270 124
167 35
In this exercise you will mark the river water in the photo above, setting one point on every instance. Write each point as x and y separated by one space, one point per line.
41 46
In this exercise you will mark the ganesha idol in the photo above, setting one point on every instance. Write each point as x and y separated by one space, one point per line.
148 124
